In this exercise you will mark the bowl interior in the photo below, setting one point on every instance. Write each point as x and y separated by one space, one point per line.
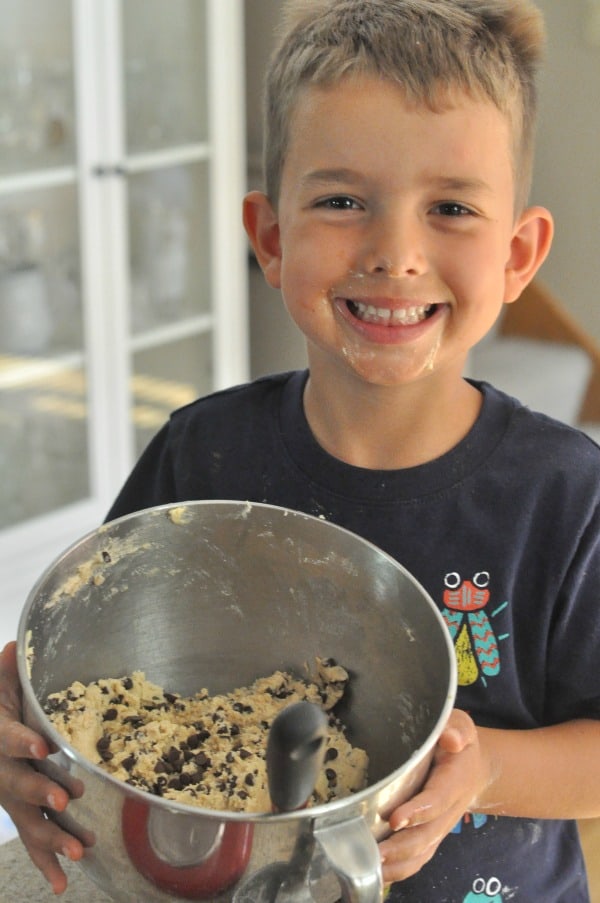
216 594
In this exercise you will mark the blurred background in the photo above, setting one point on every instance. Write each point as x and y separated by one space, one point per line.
129 131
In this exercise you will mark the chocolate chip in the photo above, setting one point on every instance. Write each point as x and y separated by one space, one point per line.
127 683
110 715
245 754
331 754
174 756
331 775
249 780
106 557
193 741
53 704
103 743
129 762
133 720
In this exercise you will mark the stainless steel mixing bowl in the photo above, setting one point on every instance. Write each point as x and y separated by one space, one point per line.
215 594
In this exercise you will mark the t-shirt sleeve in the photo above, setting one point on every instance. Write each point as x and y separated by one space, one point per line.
573 666
152 480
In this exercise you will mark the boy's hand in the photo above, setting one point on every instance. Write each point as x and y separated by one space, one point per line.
22 790
457 777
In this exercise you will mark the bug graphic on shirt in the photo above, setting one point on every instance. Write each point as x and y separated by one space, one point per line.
475 643
489 891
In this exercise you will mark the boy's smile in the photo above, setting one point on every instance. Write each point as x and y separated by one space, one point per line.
394 238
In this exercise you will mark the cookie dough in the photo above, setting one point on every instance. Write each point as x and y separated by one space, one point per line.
202 750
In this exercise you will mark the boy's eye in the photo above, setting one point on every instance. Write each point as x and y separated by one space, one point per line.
452 208
339 202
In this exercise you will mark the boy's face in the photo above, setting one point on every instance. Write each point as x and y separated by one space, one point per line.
395 241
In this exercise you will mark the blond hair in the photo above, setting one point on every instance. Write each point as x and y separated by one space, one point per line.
489 49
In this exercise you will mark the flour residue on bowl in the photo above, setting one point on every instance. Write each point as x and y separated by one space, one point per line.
93 572
179 515
29 652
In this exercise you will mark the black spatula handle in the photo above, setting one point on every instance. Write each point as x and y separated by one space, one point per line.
295 751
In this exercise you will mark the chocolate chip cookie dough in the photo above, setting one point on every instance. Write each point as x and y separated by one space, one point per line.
202 750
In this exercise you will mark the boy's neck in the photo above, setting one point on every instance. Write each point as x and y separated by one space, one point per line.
382 428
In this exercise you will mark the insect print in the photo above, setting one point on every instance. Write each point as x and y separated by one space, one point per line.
485 891
475 643
477 819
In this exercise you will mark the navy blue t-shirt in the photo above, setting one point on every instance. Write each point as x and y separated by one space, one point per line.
503 531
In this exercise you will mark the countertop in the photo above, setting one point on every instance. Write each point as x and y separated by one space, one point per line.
21 882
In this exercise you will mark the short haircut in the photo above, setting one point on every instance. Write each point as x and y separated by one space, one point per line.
488 49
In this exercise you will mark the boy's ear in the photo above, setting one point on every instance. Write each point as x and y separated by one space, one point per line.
262 226
529 248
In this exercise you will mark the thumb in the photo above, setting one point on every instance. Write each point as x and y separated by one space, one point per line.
460 732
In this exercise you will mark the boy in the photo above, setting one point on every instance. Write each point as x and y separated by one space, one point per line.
398 158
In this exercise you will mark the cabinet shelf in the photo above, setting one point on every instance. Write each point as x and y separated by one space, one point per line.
171 332
172 156
36 179
19 372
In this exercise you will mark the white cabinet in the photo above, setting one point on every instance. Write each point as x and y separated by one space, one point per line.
123 277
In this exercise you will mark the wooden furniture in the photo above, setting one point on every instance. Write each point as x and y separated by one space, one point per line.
539 315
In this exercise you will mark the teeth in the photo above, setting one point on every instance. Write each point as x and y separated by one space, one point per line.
404 316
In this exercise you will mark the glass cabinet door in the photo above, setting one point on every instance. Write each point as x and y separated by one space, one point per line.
123 264
165 73
167 148
36 86
43 404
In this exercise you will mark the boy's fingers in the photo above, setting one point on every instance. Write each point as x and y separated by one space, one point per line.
49 866
405 853
17 741
20 781
10 690
422 808
9 655
460 732
44 839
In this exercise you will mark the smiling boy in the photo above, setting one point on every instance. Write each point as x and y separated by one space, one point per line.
395 243
395 222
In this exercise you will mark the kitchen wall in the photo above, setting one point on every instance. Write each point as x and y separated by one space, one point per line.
567 178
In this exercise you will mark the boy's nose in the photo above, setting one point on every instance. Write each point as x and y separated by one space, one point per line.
395 246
